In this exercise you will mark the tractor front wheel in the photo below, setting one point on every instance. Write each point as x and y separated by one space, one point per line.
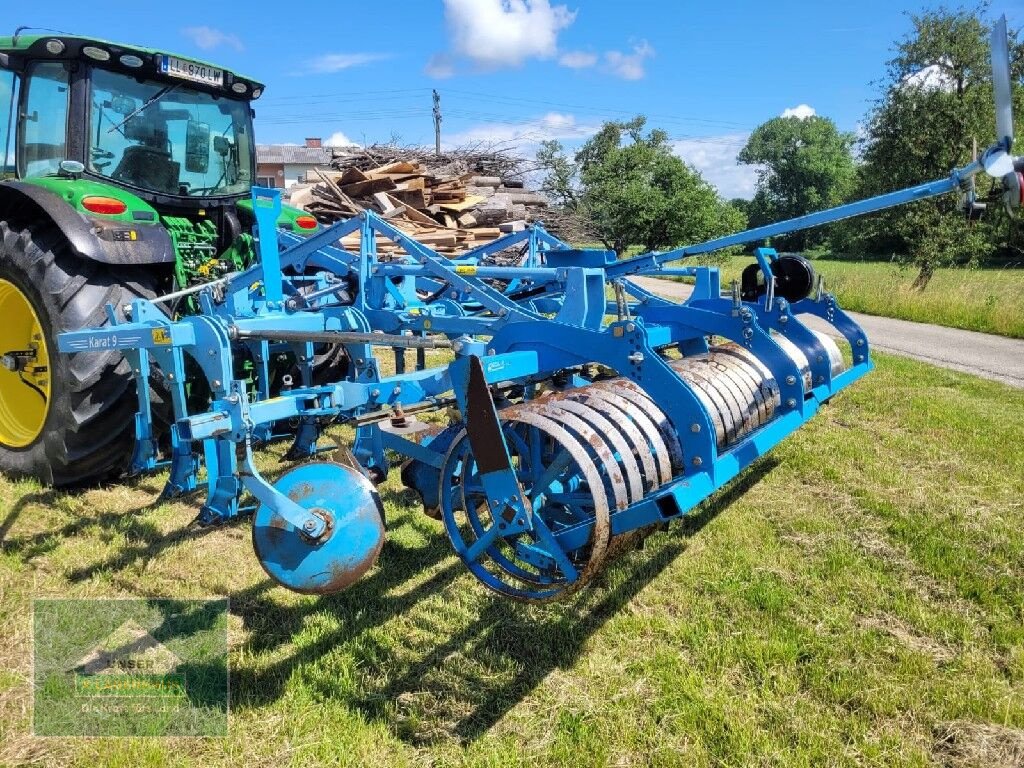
64 419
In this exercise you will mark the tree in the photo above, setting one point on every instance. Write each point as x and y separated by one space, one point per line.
805 165
937 101
634 190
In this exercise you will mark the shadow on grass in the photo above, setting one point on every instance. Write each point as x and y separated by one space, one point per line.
43 498
466 678
151 540
463 679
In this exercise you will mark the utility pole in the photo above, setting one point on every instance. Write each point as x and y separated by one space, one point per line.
437 122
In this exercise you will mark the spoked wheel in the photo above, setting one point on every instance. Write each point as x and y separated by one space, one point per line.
563 487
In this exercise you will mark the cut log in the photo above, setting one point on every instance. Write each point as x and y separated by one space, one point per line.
528 198
485 181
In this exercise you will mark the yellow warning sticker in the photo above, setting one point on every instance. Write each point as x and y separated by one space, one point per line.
465 270
161 336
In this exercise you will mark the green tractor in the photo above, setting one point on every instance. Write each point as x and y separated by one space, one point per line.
126 172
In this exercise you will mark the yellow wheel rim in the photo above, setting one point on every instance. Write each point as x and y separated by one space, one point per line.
24 369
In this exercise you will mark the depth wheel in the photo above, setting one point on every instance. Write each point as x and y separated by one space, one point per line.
64 419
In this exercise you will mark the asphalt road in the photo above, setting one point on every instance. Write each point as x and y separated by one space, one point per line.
991 357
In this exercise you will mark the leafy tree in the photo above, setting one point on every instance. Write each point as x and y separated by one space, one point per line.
805 165
634 190
937 101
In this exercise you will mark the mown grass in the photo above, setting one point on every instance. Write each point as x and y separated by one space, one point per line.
986 300
856 598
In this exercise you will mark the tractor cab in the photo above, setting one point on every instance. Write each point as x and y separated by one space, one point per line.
174 132
125 173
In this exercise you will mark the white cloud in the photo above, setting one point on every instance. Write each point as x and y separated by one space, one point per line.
525 135
440 66
505 33
577 59
629 66
715 158
339 139
802 112
209 38
931 78
335 62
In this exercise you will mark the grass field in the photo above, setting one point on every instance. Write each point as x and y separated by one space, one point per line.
985 300
856 598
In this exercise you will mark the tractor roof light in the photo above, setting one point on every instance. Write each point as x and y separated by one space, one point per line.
305 222
56 47
109 206
97 54
239 87
131 60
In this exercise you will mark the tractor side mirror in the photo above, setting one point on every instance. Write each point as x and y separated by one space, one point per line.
197 147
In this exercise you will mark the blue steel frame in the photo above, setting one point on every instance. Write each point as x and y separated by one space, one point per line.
550 317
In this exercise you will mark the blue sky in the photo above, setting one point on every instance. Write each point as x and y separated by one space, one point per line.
517 71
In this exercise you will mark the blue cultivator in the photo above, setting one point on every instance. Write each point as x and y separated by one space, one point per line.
586 407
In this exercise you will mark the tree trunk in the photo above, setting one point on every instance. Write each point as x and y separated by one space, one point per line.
923 276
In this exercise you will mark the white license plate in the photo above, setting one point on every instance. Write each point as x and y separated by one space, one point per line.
190 70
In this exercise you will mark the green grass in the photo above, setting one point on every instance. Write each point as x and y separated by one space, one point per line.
985 300
856 598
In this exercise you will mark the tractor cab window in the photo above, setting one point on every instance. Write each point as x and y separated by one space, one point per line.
45 120
168 138
8 103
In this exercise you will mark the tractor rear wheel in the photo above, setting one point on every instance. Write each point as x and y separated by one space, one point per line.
64 419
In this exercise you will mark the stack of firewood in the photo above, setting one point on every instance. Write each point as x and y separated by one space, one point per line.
447 202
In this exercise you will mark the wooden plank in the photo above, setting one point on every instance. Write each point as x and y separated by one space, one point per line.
397 167
414 182
486 233
342 198
459 207
383 199
351 176
368 187
415 215
414 198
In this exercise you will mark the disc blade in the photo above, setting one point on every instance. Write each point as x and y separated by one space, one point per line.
998 164
1001 85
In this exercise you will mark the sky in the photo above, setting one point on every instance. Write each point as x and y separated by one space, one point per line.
516 72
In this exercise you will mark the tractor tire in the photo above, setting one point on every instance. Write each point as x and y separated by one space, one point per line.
84 431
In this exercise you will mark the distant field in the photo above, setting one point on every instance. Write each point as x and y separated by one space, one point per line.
855 598
985 300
